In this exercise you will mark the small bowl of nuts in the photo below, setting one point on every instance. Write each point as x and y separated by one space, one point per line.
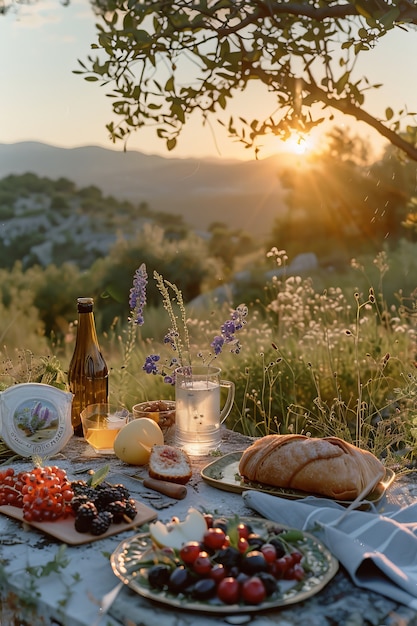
160 411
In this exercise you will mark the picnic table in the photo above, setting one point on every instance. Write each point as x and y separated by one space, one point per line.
46 582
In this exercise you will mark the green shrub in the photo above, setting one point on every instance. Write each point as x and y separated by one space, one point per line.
320 355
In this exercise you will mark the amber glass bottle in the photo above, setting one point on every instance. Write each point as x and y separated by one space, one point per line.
87 374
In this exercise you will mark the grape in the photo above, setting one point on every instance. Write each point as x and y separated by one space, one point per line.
179 580
254 562
204 589
158 576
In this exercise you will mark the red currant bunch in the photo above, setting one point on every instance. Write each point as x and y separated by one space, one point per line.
11 488
44 493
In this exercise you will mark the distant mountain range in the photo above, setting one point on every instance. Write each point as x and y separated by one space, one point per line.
242 194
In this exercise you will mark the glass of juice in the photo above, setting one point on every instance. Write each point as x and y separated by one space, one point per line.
101 423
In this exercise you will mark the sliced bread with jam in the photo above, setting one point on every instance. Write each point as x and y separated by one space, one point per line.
170 463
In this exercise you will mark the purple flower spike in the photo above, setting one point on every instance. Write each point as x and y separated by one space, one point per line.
217 344
35 412
229 329
45 417
137 298
150 366
171 338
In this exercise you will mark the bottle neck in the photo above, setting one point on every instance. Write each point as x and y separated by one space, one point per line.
86 331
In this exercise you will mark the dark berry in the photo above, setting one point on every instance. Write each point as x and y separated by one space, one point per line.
78 486
118 510
123 491
255 541
101 523
229 557
81 488
105 496
86 513
158 576
77 501
103 485
130 511
88 509
254 562
204 589
179 580
279 546
269 581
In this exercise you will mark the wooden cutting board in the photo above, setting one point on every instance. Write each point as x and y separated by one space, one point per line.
64 530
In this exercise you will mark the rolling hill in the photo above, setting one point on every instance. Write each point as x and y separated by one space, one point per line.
242 194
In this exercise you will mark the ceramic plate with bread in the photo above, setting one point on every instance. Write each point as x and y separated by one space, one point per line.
326 466
295 466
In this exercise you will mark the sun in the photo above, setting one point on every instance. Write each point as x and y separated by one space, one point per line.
299 144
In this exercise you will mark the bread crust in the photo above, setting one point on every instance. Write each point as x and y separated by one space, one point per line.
326 466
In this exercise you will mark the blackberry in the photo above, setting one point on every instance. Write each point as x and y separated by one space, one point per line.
105 496
130 510
77 501
123 491
101 523
84 517
118 510
81 488
103 485
78 486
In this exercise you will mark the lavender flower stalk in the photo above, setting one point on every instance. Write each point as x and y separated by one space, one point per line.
228 331
178 336
137 302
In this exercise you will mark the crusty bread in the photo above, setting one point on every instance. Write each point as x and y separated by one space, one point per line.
170 463
325 466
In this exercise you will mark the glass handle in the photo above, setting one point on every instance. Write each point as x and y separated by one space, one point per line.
227 384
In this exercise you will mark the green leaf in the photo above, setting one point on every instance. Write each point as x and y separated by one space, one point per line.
128 22
389 113
99 476
341 83
178 111
390 17
171 143
170 85
232 531
141 36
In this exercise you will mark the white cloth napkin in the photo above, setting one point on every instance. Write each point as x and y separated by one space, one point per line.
378 551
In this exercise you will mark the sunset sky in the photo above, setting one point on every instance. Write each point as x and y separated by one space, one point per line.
42 100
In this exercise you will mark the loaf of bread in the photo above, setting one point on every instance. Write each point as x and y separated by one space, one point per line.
325 466
169 463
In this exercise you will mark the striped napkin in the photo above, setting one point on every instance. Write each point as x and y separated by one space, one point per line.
378 551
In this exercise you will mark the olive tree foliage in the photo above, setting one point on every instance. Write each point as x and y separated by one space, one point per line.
161 61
